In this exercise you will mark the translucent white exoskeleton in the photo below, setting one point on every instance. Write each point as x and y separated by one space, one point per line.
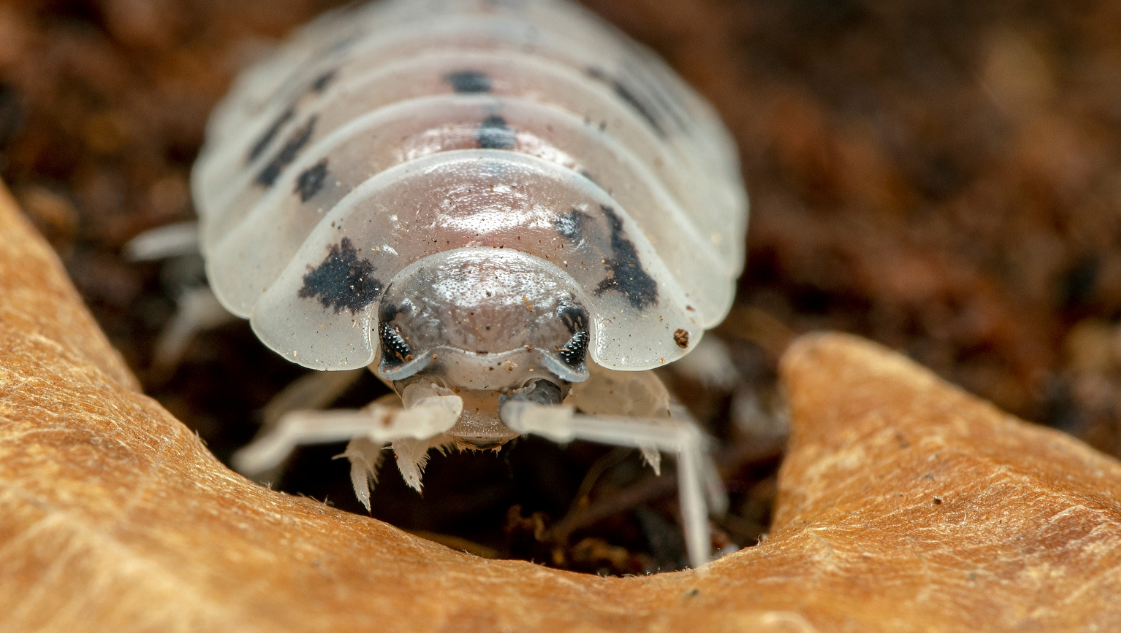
506 209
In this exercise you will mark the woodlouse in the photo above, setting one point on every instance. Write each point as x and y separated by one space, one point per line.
473 198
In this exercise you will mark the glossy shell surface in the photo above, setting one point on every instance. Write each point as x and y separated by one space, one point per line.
385 133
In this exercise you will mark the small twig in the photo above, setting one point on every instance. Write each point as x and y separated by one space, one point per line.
649 489
456 543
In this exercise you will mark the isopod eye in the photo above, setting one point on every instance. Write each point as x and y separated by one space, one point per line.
575 350
569 362
394 348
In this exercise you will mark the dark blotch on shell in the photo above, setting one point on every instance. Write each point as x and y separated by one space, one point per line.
343 280
681 337
574 317
571 225
322 82
495 134
469 81
629 97
287 154
627 274
310 181
269 135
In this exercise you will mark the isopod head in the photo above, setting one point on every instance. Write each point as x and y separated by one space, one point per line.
490 324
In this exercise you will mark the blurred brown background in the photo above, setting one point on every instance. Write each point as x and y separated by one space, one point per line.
938 176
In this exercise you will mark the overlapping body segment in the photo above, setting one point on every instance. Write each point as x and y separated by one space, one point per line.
390 133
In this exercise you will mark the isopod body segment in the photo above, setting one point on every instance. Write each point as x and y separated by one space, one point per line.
387 134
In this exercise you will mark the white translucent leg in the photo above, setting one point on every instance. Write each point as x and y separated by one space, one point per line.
430 416
315 390
752 420
697 476
710 363
198 310
715 493
165 242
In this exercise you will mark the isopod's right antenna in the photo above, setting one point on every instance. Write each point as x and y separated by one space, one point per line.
428 415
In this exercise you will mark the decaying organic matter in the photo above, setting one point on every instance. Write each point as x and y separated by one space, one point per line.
904 505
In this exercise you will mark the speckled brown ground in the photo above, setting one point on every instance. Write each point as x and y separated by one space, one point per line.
938 176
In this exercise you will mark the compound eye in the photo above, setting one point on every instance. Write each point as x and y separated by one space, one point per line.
395 350
575 351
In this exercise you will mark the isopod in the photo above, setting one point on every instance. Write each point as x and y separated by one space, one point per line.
507 210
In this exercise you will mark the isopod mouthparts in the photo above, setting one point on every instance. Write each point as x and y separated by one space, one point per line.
483 318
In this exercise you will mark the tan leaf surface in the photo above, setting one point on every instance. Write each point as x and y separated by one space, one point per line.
905 505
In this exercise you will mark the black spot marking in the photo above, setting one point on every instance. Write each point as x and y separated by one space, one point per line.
342 281
311 180
575 318
287 154
494 134
629 97
627 274
388 311
571 224
468 81
322 82
266 139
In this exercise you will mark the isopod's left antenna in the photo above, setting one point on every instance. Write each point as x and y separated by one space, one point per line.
699 487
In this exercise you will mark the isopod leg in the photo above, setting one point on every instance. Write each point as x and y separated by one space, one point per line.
198 310
312 391
677 434
164 242
710 364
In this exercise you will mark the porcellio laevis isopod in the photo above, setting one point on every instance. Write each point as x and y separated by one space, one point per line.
507 210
